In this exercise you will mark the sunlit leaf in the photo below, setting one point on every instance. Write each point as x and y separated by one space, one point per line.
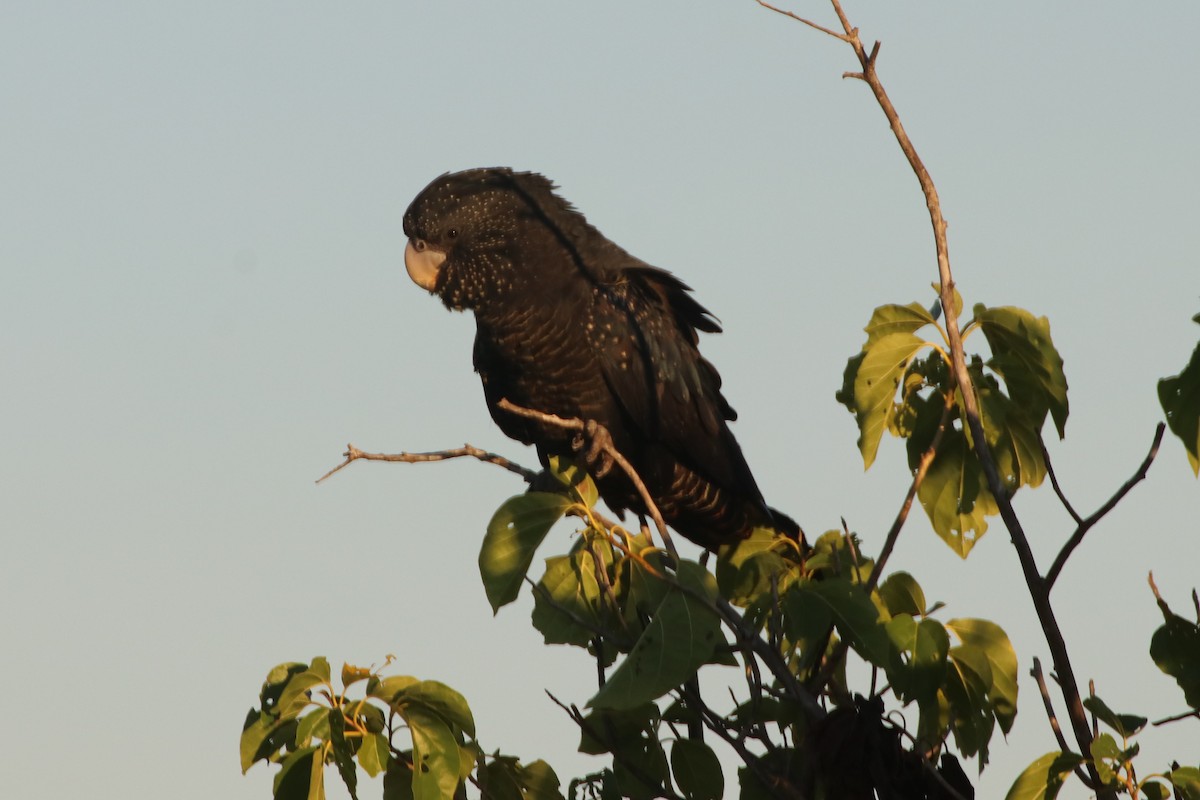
1043 779
878 375
1186 781
1104 752
991 639
440 699
903 595
925 646
564 605
514 533
1024 355
435 755
539 782
968 678
575 479
955 496
373 754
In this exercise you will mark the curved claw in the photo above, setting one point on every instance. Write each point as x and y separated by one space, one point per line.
596 444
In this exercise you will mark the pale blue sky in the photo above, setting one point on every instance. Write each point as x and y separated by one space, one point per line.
203 300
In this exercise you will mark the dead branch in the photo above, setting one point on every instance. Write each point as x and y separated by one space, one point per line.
353 454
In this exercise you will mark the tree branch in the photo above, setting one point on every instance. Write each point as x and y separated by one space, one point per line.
1086 524
1033 580
353 454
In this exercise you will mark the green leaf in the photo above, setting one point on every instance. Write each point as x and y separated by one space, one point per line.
1175 648
968 678
925 646
682 635
439 699
878 375
1042 779
564 606
575 479
1180 399
991 639
387 688
264 736
1125 725
606 730
295 696
894 318
854 615
1153 790
1186 781
954 493
697 770
738 583
514 533
903 595
314 724
539 782
1015 440
342 756
302 776
1104 751
373 754
1023 354
435 755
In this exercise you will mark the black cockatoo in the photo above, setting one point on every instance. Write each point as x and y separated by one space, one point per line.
568 323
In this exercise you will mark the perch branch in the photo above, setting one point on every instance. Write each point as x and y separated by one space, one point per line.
1086 524
353 454
576 424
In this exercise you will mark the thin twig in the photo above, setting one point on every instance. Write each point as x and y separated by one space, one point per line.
918 478
1058 489
576 424
1086 524
634 768
353 454
1177 717
809 23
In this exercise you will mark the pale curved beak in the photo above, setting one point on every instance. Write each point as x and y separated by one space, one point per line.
423 263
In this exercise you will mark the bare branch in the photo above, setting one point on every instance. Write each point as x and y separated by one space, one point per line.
807 22
1086 524
353 454
1058 489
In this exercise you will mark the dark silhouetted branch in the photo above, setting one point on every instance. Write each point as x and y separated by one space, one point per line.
1086 524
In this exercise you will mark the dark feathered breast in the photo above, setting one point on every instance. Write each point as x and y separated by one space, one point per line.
570 324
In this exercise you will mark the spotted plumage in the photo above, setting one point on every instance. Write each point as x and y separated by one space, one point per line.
570 324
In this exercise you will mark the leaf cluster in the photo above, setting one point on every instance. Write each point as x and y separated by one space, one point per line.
904 385
418 734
